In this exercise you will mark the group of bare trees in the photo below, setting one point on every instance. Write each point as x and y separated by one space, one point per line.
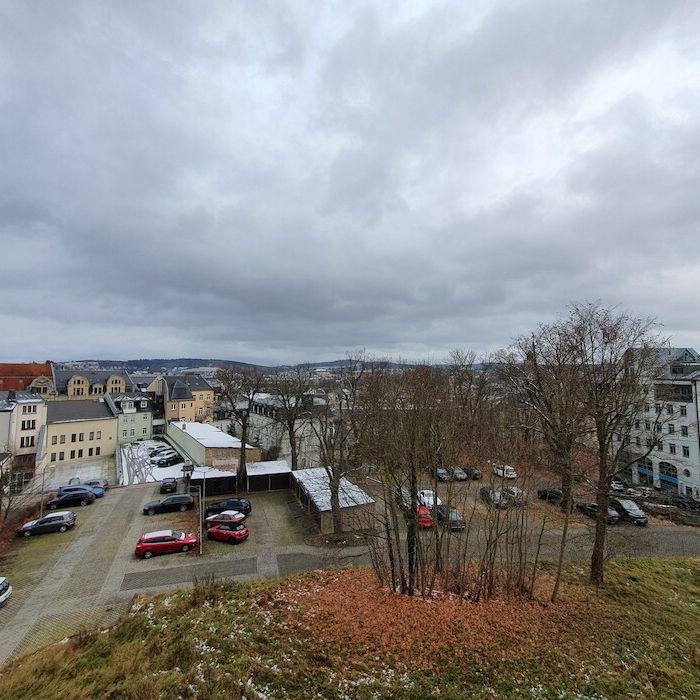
576 384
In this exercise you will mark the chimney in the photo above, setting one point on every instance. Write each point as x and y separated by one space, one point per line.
11 395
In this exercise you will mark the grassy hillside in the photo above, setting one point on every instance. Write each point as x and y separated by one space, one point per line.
333 634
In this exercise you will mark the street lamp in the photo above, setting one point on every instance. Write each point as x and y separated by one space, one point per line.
202 496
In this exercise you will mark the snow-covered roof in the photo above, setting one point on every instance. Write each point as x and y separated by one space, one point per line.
315 483
278 466
201 473
208 435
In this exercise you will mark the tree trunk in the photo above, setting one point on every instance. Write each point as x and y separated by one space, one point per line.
334 484
601 523
242 459
566 486
293 449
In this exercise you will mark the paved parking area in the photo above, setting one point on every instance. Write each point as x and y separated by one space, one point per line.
136 465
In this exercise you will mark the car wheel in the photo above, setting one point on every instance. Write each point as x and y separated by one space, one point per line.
83 502
210 536
185 548
63 528
183 508
151 511
147 554
27 533
53 506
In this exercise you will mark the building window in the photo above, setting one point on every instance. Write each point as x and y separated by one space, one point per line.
99 435
145 431
97 451
647 425
90 452
684 411
184 405
54 440
28 424
131 432
658 409
81 437
647 407
648 442
684 430
27 441
173 406
29 409
686 451
672 448
72 454
80 454
638 441
53 456
61 456
92 435
143 404
63 439
73 437
124 434
671 428
660 446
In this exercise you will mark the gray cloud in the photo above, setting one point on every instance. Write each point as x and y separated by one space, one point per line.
286 182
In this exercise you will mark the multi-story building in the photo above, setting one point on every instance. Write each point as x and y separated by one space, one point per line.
134 413
89 384
79 430
666 431
186 397
27 376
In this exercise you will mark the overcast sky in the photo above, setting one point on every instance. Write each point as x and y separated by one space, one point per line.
280 182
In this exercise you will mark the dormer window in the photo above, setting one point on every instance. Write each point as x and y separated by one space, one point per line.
144 404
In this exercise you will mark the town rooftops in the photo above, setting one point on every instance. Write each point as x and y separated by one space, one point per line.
278 466
8 399
316 484
94 376
80 409
18 376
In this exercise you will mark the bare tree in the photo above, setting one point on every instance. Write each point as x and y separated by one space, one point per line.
239 388
620 355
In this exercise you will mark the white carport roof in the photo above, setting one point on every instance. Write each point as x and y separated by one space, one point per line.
316 484
278 466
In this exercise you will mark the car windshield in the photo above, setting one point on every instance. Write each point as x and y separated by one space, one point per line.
178 535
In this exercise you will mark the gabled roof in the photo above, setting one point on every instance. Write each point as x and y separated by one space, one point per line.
18 376
9 399
96 376
76 410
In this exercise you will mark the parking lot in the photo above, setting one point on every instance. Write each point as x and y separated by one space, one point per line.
89 575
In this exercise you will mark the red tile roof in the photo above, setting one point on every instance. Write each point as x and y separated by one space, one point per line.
18 377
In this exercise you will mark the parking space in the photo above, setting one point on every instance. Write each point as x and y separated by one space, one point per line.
137 466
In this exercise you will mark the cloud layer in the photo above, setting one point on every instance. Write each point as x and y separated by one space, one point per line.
280 183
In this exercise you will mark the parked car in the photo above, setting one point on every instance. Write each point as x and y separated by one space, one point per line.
591 510
228 532
424 518
53 522
441 474
97 490
427 498
169 461
552 495
629 511
242 505
451 518
76 481
458 474
494 497
164 542
474 474
505 471
81 497
5 590
228 517
617 486
683 502
163 455
514 494
158 449
181 502
168 485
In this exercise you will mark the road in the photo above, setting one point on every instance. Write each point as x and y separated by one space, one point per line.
88 577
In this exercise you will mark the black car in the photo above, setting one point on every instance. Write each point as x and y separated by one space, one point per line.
181 502
550 495
242 505
168 461
591 510
168 485
629 511
450 519
494 497
71 498
53 522
473 474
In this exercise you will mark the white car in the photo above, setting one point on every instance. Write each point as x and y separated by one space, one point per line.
505 471
163 455
428 499
5 590
617 486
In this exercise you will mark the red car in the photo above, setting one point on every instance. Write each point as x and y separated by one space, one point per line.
233 532
228 517
424 518
164 542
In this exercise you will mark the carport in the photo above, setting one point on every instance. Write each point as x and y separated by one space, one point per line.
312 488
269 476
215 482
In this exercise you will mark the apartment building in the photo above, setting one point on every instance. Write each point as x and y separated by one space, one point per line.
27 376
668 425
89 384
79 429
134 413
186 397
